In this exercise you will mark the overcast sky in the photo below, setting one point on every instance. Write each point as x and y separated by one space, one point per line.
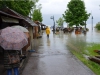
57 8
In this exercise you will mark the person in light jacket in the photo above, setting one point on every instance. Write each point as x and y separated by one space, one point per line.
47 31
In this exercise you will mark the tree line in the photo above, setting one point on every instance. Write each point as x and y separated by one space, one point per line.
75 14
24 7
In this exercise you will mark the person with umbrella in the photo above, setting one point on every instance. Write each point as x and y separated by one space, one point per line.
12 40
25 30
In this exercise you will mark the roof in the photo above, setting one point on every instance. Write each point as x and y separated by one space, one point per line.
13 13
6 14
30 21
43 25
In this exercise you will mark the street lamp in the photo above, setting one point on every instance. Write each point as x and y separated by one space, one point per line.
52 17
92 22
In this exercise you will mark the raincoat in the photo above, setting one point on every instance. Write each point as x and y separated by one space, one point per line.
47 30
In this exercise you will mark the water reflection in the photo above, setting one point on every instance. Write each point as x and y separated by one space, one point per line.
53 35
48 42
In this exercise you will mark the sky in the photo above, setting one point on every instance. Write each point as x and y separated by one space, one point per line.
57 7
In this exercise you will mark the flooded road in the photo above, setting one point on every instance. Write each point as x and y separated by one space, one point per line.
53 57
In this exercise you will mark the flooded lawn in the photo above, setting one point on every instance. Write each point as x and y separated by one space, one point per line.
83 46
80 41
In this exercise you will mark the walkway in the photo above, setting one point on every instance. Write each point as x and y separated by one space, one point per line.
53 58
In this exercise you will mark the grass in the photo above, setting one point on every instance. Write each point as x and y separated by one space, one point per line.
87 50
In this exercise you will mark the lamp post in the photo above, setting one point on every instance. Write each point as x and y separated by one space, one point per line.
92 23
52 17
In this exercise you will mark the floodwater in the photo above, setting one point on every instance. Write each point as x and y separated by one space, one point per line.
53 56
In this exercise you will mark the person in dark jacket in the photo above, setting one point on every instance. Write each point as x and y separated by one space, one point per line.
8 66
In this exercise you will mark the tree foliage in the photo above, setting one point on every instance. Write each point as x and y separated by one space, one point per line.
37 15
76 13
98 26
60 21
21 6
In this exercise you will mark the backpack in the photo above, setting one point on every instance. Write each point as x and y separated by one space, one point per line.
13 58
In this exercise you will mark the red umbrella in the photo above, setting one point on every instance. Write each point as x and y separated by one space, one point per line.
12 39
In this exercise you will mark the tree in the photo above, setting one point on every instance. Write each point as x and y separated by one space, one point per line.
37 15
21 6
98 26
60 21
76 13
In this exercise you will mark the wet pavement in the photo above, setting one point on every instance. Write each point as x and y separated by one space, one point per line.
52 57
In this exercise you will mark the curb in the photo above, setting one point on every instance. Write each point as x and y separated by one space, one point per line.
24 62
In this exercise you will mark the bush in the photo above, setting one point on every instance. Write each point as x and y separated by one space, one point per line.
98 26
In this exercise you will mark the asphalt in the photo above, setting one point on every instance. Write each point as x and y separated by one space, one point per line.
52 57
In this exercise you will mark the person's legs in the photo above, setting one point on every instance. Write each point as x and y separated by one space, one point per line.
16 71
48 35
9 71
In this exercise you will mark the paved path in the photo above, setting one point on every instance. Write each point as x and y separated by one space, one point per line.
53 58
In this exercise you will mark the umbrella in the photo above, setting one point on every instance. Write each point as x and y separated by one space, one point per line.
25 31
22 29
12 39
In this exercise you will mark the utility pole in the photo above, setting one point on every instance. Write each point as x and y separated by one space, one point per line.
92 23
52 17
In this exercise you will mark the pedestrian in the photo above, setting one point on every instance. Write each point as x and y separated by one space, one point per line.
47 31
7 62
12 40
